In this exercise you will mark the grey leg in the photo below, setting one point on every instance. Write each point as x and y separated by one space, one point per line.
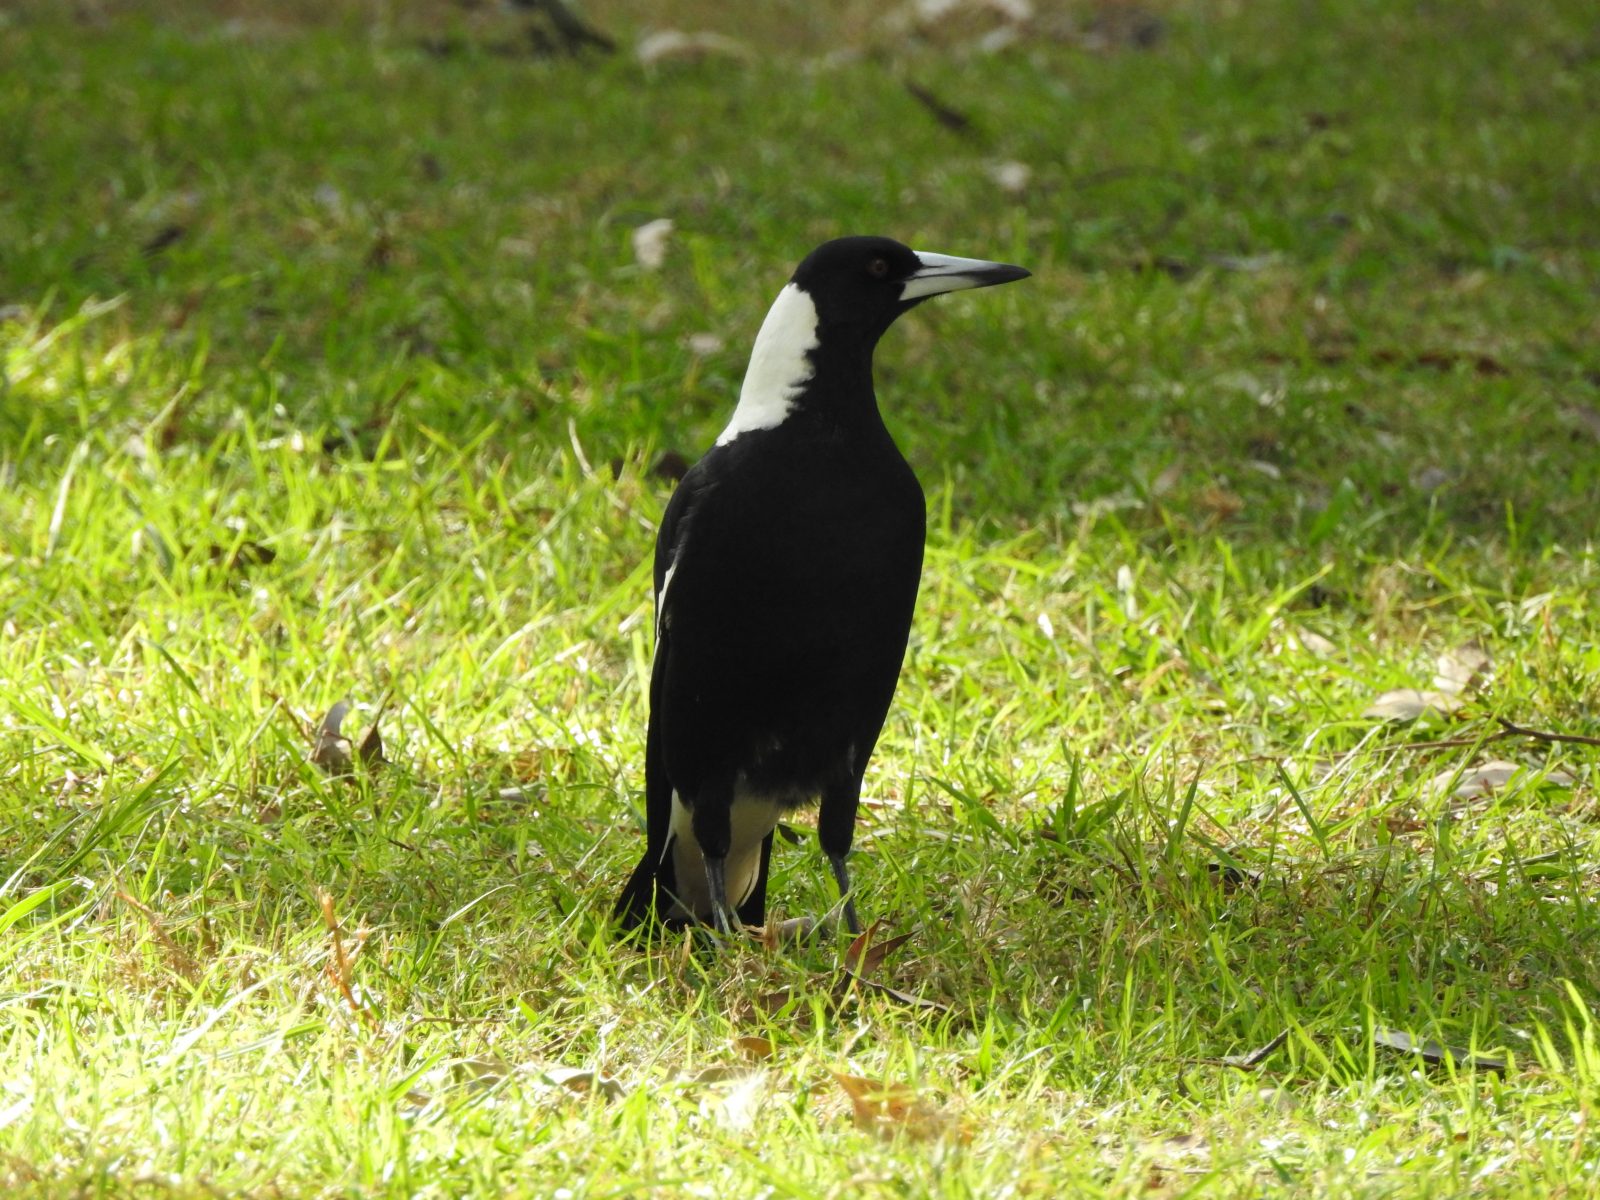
717 885
841 876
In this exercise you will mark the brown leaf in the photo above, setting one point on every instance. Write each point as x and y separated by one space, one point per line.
1407 704
332 751
865 955
1219 503
1461 669
1585 417
890 1109
245 554
581 1080
872 985
758 1049
162 240
1252 1060
952 119
1483 780
1435 1054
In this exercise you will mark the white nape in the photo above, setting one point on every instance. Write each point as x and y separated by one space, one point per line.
752 817
779 364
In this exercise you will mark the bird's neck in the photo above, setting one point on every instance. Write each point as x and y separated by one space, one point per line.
802 370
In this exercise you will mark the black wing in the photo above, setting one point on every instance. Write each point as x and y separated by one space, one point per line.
639 901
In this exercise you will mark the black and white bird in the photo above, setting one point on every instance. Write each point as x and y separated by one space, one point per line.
786 572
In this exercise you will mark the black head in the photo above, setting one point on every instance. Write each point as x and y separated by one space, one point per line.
862 284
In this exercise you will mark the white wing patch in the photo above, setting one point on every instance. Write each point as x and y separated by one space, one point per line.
661 599
779 364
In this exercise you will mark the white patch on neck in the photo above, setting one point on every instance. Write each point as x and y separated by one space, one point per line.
779 366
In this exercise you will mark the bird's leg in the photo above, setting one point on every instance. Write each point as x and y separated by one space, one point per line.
841 876
713 830
717 886
836 829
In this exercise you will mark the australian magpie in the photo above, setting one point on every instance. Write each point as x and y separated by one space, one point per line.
786 571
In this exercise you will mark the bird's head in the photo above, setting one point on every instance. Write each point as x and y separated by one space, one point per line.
819 334
859 285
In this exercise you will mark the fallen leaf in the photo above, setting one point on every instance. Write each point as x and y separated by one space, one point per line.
1011 177
890 1109
1315 643
738 1107
872 985
1484 780
1585 417
162 240
1435 1054
582 1080
1219 503
756 1048
650 243
1407 704
673 45
1231 877
1252 1060
573 34
1461 669
245 554
332 751
865 956
952 119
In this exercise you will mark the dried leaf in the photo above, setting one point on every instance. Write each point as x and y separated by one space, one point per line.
1461 669
162 240
650 243
673 45
1230 876
1252 1060
245 554
332 751
890 1109
952 119
1407 704
1219 503
1435 1054
1585 418
582 1080
1315 643
872 985
1011 177
738 1108
865 955
1483 780
758 1049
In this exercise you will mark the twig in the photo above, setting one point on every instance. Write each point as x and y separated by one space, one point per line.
1576 739
182 960
1507 729
338 968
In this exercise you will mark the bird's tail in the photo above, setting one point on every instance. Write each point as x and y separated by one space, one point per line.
637 904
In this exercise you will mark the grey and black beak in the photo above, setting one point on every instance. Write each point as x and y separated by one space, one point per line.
945 273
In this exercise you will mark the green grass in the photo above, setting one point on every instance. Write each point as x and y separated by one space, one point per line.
326 370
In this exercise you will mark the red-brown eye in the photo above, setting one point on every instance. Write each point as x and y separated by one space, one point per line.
878 268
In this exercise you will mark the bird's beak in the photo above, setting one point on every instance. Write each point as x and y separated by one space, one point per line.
946 273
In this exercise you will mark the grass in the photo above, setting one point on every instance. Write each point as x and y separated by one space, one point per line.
328 371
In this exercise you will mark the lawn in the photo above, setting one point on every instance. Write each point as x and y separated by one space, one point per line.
328 369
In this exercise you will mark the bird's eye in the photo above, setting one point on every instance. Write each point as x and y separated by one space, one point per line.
878 268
